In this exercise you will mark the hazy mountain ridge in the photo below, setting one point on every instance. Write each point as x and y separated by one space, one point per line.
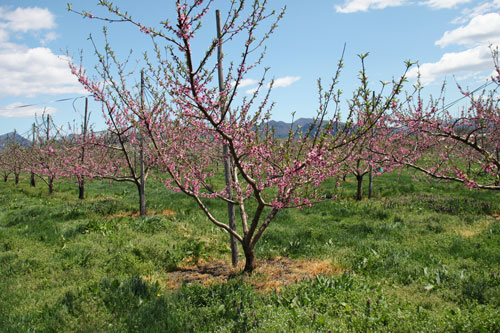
13 136
281 130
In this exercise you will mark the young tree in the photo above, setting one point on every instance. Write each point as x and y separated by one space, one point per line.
122 135
82 153
45 158
370 152
87 155
12 157
5 170
190 119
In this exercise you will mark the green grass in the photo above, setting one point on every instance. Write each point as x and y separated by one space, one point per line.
417 257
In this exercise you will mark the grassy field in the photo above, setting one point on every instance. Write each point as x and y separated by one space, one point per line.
418 257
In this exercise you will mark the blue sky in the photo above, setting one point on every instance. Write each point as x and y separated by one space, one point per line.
449 39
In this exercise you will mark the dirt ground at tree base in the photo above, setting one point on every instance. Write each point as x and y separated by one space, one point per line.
270 274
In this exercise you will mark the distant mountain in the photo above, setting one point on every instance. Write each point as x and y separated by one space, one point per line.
13 136
281 128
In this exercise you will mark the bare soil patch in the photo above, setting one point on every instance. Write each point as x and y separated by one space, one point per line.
270 274
165 212
472 230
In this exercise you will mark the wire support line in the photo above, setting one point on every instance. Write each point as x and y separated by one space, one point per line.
43 103
483 86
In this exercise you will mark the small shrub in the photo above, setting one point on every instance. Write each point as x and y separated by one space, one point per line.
103 227
173 257
483 289
68 300
494 228
150 224
106 207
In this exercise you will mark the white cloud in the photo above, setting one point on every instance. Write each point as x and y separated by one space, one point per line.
481 29
4 35
351 6
285 81
476 76
279 82
481 9
440 4
49 37
244 83
473 60
18 110
251 91
30 72
27 19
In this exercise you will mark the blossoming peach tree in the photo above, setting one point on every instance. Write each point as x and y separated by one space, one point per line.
189 118
12 157
371 152
45 158
121 148
66 152
462 148
87 155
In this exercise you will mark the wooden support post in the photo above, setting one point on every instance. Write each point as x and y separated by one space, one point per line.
32 181
225 151
51 178
81 180
142 181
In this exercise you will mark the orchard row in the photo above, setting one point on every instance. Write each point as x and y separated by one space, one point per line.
192 126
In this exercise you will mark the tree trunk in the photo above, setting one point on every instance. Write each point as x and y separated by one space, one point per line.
16 178
370 183
81 188
230 207
51 185
142 198
32 181
250 262
5 178
359 194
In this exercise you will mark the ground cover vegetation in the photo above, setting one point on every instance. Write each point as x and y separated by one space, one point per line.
418 256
